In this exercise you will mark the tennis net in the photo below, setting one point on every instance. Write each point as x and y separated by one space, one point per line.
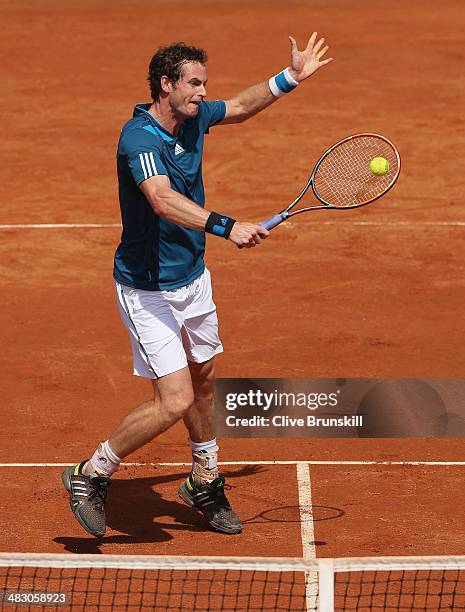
230 584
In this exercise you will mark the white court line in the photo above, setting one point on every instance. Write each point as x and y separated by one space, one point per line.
394 224
397 224
307 531
186 464
306 511
406 223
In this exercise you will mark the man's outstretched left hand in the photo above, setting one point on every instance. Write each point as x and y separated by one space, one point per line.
305 63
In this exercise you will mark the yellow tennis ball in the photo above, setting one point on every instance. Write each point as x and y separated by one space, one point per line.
379 166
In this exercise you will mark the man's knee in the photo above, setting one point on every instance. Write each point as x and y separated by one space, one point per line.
176 406
174 397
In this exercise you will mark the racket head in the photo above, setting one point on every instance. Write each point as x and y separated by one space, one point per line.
342 177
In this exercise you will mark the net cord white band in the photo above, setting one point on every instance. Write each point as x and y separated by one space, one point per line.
275 564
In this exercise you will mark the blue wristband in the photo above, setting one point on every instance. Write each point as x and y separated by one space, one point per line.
282 83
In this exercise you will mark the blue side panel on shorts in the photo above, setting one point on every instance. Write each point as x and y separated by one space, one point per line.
154 253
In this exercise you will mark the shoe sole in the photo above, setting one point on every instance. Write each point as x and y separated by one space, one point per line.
184 495
66 480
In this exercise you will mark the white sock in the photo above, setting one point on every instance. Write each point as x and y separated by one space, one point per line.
204 461
103 462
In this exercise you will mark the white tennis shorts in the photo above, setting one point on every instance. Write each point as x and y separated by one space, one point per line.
169 328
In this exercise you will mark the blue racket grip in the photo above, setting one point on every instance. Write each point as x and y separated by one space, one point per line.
273 221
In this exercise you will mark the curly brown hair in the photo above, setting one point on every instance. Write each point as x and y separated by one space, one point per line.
168 61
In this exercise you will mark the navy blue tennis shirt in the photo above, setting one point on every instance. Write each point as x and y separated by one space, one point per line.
154 253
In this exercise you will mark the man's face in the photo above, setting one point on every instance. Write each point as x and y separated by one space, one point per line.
186 95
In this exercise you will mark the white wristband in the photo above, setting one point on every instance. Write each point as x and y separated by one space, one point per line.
282 83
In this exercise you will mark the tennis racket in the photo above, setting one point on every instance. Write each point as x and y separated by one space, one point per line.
342 177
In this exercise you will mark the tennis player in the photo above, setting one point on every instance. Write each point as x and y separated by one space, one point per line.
163 288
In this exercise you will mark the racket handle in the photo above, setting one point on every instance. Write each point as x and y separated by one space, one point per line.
273 221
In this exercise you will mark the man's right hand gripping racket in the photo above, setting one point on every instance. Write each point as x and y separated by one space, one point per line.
344 177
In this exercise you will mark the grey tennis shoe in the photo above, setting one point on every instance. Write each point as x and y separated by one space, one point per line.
212 503
87 498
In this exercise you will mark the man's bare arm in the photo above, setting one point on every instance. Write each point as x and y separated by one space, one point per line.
178 209
254 99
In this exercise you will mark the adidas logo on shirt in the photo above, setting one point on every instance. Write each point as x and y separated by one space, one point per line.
178 149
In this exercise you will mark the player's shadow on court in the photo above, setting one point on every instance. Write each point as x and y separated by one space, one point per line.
138 512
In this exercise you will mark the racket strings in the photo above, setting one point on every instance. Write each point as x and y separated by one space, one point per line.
343 177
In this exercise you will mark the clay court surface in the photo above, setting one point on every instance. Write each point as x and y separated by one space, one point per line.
377 292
